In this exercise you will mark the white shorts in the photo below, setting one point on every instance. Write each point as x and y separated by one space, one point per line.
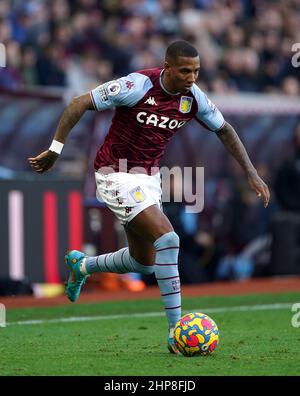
128 194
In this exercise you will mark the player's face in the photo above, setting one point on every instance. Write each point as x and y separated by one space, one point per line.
181 75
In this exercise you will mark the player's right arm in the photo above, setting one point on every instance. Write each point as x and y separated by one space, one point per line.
126 91
71 115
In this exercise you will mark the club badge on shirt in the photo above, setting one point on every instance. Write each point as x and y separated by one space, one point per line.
138 194
185 104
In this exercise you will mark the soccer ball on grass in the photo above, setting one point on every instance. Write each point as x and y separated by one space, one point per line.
196 334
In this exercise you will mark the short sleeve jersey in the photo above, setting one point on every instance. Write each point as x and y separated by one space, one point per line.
146 118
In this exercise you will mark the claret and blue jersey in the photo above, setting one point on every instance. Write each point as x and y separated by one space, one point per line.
147 116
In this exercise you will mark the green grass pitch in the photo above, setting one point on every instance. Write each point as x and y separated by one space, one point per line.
129 338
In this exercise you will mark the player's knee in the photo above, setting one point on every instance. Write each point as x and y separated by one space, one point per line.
170 239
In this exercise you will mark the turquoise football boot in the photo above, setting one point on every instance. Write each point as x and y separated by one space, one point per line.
171 342
171 346
76 280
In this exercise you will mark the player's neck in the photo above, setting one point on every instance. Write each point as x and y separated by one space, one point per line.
166 85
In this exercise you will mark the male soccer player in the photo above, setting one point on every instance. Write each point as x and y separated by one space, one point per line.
151 106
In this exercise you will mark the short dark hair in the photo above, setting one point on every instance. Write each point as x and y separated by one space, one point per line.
180 48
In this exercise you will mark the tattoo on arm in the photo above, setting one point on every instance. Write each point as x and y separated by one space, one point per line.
232 142
72 114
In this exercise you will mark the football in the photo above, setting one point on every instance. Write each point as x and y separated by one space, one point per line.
196 334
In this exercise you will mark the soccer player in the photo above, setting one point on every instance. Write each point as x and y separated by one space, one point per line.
151 106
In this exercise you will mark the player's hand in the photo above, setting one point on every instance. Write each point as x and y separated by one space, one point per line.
43 161
260 187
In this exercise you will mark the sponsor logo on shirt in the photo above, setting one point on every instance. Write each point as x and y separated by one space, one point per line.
185 104
158 121
113 88
138 194
151 101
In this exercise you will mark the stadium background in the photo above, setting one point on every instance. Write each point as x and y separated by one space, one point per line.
58 49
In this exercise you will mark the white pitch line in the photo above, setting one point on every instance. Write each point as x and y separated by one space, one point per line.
241 308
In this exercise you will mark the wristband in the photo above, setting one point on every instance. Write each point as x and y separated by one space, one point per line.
56 147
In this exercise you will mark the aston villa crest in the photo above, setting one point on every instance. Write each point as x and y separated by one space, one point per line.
138 194
185 104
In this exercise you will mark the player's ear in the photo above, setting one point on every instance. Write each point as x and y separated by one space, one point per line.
167 66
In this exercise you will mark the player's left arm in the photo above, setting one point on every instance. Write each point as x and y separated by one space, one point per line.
211 118
233 144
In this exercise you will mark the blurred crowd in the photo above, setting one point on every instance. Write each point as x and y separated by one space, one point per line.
244 45
235 237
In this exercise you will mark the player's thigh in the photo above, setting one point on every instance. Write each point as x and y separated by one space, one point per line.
140 249
150 224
